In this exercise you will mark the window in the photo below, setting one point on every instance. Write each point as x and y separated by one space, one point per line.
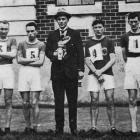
132 1
75 2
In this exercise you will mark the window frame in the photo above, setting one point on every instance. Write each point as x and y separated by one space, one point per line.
74 4
132 1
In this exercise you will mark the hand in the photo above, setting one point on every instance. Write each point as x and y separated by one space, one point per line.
98 73
35 59
55 53
81 74
1 53
61 44
101 79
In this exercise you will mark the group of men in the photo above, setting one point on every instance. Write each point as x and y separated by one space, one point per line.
30 54
65 50
100 57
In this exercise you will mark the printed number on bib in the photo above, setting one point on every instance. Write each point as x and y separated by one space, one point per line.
32 53
134 44
96 52
3 47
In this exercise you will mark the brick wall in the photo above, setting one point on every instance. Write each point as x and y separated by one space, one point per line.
45 23
114 21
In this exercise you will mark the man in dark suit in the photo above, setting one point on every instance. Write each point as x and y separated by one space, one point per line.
65 50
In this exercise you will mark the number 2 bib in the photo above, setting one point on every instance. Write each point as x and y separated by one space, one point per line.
134 44
32 53
96 52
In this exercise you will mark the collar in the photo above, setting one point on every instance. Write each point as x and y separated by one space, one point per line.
94 37
137 32
36 40
63 29
4 40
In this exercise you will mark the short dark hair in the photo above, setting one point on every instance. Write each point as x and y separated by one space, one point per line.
133 15
97 21
31 24
4 22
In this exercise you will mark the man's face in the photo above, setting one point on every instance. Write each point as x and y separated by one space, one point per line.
31 32
62 21
4 29
134 23
98 30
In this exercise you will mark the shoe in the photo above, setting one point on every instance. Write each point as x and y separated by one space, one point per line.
92 132
59 132
116 132
74 132
82 133
2 133
7 130
33 131
131 133
28 131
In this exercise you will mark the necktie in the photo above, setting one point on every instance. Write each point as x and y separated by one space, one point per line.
62 34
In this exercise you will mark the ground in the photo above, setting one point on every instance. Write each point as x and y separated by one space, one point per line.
47 122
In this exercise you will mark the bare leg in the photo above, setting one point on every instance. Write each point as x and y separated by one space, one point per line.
0 114
133 108
109 94
94 109
8 104
35 108
26 107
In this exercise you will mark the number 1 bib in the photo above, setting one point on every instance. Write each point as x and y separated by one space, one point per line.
32 53
96 52
134 44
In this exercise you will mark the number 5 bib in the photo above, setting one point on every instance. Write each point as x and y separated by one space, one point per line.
96 52
32 53
134 44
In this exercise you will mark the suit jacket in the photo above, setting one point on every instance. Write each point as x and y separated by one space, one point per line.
73 60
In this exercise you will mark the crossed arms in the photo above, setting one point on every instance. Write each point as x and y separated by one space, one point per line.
99 72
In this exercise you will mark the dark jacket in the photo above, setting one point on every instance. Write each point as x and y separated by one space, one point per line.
73 60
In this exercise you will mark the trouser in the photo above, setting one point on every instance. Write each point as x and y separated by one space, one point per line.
70 87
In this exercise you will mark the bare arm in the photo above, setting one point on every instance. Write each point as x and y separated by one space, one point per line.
22 60
9 55
108 65
124 54
90 64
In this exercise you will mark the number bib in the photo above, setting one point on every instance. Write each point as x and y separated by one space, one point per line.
96 52
3 47
32 53
134 44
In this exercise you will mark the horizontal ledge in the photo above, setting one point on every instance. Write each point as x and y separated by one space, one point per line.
16 35
17 2
18 13
22 20
74 10
128 7
15 6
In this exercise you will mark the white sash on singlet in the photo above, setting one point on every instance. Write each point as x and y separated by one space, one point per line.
96 52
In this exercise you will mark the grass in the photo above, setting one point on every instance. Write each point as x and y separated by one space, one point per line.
47 125
50 136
